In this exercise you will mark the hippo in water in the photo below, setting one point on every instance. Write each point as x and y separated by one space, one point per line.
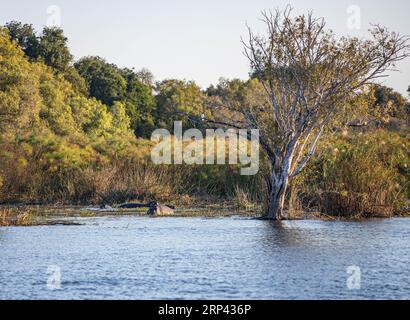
153 208
159 209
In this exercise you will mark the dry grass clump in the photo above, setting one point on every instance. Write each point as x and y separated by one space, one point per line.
15 217
243 199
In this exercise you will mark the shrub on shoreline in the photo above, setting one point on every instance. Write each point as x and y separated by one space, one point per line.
358 175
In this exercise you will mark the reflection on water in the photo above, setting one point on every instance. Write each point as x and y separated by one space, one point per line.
223 258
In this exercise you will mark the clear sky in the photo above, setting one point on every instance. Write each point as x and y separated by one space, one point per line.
191 39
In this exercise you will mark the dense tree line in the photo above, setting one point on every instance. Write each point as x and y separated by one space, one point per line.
148 104
96 78
59 116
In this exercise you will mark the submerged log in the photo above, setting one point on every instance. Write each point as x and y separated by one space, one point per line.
133 205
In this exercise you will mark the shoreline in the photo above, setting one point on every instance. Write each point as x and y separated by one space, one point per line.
41 215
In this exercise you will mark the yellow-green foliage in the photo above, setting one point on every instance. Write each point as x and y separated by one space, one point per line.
177 98
19 91
48 128
358 174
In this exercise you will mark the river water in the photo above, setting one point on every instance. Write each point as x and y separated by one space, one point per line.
200 258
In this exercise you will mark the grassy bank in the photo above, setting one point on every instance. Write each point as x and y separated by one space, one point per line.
351 176
361 174
26 216
15 217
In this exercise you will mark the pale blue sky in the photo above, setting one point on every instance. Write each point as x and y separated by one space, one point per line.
193 40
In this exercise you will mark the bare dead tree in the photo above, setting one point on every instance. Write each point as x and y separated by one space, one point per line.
307 76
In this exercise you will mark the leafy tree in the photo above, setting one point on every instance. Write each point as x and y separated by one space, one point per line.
389 102
139 103
146 77
78 82
55 107
105 82
110 84
19 95
229 95
176 99
121 121
54 49
25 36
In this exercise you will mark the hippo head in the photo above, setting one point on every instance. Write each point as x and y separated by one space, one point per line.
153 206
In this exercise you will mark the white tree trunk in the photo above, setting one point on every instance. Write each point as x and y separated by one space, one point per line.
276 201
278 186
